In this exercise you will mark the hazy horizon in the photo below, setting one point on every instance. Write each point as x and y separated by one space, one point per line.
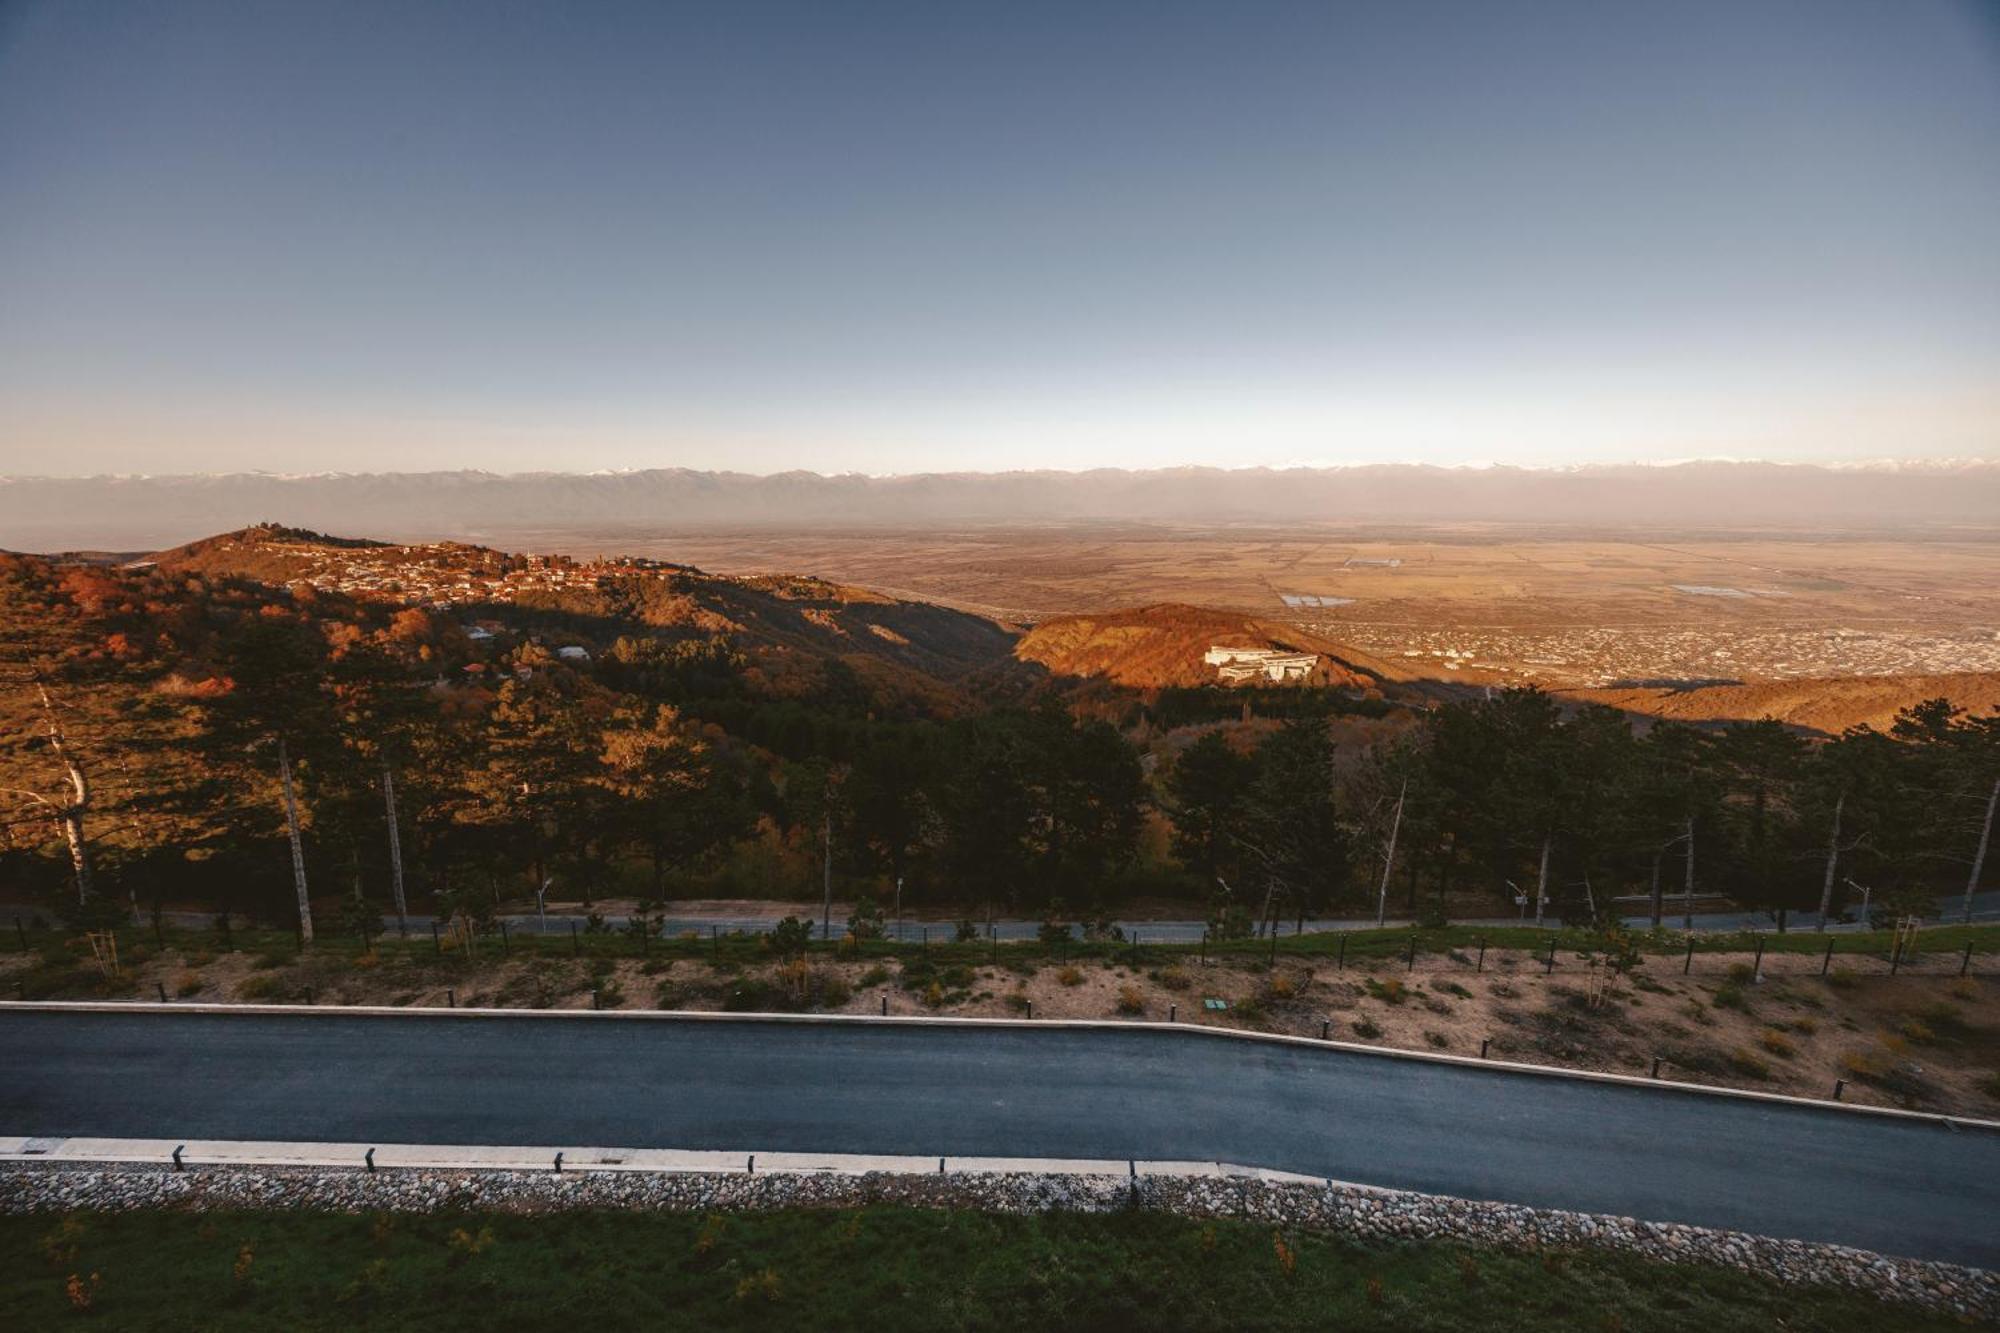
906 238
601 510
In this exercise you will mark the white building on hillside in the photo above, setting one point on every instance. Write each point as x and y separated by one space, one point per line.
1238 664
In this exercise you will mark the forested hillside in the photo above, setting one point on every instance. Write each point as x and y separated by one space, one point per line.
638 730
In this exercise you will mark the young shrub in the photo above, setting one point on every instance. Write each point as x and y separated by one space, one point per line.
1842 979
1438 1040
263 987
1391 991
1130 1001
1281 986
1729 995
1742 973
1863 1064
187 983
1366 1029
1173 978
1748 1065
1017 1001
80 1292
874 977
762 1285
1777 1043
1288 1258
1070 976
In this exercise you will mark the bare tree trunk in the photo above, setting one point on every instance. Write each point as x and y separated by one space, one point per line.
1542 881
1659 855
70 814
298 847
1389 860
1979 856
1687 885
395 851
1832 861
826 877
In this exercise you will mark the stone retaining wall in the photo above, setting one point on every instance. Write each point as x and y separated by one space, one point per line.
1364 1213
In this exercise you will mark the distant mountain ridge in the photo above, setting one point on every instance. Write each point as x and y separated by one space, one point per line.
148 512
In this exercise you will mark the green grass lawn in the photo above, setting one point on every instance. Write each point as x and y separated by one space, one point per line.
877 1269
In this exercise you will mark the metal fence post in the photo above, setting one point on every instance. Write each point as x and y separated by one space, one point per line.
1827 961
1480 966
1687 964
1552 957
1965 962
1757 967
1412 966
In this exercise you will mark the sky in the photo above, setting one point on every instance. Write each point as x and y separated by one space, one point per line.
935 236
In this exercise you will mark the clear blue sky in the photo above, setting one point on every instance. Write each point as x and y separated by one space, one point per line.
897 237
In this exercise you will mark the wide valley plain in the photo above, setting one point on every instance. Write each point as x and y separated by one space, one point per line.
1562 608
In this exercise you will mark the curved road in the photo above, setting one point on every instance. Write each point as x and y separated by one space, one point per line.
1904 1187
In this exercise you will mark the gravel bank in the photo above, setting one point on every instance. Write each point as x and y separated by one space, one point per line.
1368 1214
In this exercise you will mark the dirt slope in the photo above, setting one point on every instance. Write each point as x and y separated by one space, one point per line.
1827 706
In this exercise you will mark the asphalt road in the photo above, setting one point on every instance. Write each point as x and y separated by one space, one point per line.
1903 1187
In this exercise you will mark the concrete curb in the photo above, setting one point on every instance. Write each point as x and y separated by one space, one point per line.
1196 1030
17 1150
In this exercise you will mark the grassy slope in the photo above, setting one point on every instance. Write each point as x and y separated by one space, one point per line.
876 1269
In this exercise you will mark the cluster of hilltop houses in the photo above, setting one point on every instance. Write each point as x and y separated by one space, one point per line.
1233 665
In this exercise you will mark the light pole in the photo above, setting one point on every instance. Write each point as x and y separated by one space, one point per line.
1865 891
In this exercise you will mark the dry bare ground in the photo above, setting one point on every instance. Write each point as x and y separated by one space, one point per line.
1926 1039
